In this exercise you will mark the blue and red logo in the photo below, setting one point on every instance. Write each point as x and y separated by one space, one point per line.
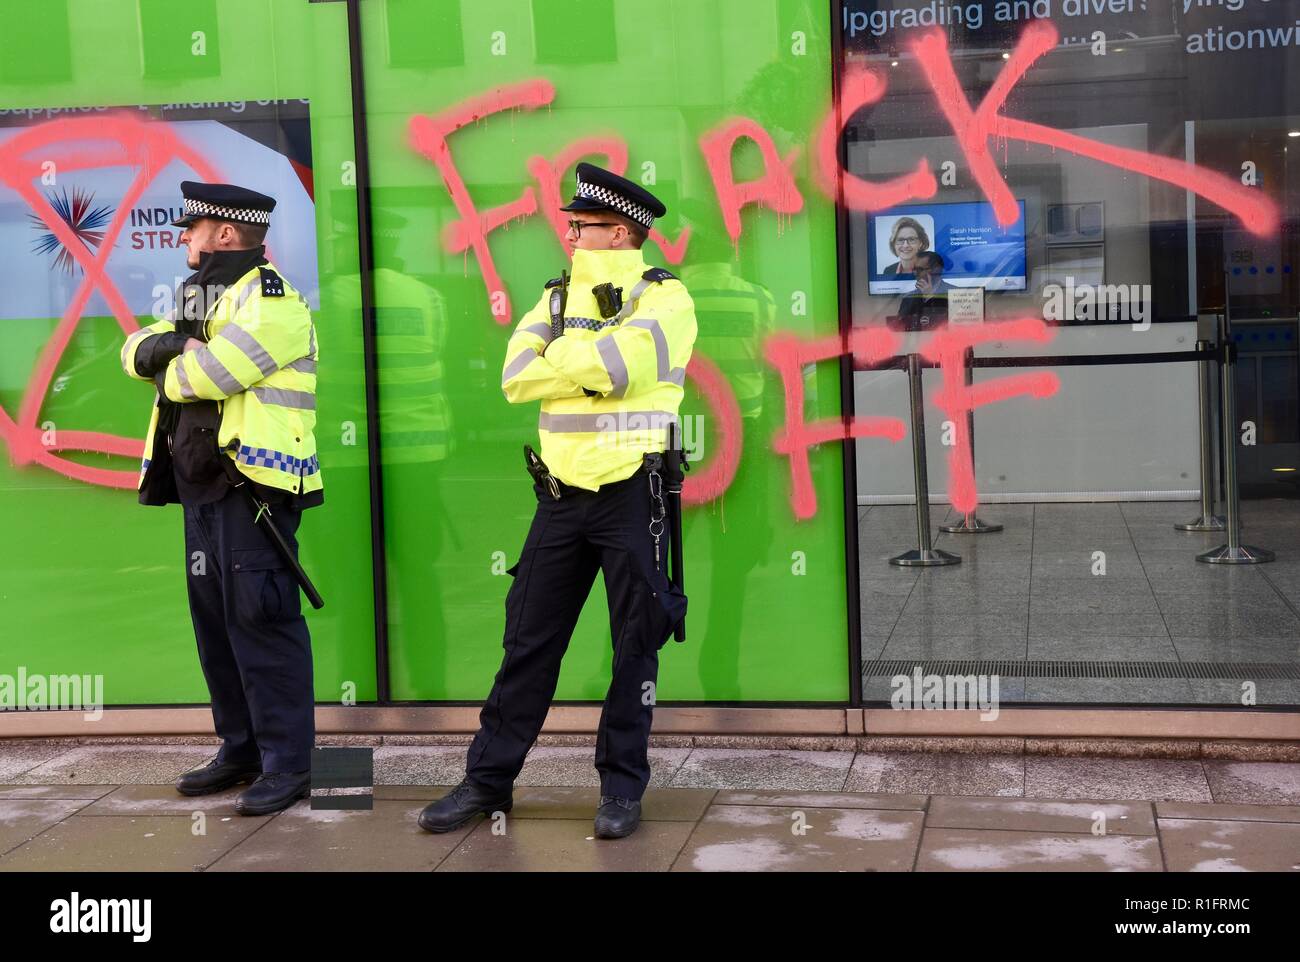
82 216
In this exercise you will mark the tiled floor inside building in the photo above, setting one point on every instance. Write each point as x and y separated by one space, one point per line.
1035 593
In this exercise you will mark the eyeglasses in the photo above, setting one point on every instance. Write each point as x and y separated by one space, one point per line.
910 241
577 225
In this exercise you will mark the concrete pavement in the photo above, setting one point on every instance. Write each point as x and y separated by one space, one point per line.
86 807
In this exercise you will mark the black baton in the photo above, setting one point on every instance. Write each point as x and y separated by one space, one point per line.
676 465
262 518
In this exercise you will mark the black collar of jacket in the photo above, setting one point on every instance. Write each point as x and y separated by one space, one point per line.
226 267
217 271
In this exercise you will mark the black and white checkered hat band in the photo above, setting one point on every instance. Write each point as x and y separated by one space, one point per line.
198 208
617 201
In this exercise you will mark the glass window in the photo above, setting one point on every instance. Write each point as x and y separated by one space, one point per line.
1079 201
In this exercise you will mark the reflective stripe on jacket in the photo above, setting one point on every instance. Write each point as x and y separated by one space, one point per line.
259 363
609 387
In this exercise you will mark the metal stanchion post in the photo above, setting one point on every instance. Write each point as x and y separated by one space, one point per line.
970 522
1234 552
1208 520
1216 405
924 554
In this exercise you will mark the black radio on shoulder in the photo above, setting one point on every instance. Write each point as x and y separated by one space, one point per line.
609 299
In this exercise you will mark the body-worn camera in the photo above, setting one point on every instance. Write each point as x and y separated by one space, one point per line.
609 299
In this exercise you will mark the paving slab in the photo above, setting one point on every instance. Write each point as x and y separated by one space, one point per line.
191 740
751 838
418 765
1111 747
163 800
118 765
1245 813
1055 816
657 805
823 800
21 755
1155 779
763 769
558 767
22 819
1254 783
155 843
1202 845
89 792
937 773
963 850
797 743
384 839
557 844
413 792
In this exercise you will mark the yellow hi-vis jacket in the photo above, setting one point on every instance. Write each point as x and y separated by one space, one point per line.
411 335
609 387
259 364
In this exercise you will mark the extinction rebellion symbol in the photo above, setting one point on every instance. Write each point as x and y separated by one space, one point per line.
82 218
83 236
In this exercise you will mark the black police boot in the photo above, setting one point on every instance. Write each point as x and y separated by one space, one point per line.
274 792
216 776
617 817
460 805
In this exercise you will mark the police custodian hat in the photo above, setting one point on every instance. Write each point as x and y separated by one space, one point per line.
600 189
224 201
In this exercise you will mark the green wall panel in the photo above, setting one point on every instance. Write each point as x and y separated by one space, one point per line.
90 581
657 77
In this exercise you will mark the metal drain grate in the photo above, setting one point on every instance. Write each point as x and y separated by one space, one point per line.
1010 668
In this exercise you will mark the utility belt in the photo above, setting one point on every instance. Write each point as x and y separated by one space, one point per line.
669 466
666 472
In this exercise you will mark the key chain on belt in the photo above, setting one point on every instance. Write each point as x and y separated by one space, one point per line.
657 511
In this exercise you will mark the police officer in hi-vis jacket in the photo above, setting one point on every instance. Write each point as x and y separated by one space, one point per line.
235 371
605 351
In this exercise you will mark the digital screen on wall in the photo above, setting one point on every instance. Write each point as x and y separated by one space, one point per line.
977 251
89 163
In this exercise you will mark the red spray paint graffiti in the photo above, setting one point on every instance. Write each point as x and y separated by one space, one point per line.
870 346
788 354
151 146
947 348
707 484
974 128
859 88
777 190
429 136
549 173
120 141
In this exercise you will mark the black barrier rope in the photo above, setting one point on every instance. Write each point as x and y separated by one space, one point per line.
899 361
1075 360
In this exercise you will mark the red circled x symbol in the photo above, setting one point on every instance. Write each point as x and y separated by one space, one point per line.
120 140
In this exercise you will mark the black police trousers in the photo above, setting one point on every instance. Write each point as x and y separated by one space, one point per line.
569 540
253 640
